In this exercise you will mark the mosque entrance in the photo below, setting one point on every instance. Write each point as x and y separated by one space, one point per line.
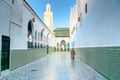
5 56
63 45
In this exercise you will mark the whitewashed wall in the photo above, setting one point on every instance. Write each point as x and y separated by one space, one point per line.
16 41
100 26
5 16
38 25
14 23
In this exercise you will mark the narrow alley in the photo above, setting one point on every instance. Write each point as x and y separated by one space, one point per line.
37 37
57 66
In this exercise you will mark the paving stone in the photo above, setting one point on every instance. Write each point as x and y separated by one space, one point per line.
57 66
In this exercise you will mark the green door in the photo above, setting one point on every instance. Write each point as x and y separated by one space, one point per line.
5 53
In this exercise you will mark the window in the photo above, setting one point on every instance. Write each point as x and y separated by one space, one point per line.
13 1
41 35
86 8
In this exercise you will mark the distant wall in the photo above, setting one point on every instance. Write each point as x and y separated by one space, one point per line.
51 49
21 57
105 60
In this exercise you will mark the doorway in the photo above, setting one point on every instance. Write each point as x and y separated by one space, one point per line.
63 45
5 56
30 35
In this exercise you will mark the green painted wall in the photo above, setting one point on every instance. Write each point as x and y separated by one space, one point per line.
22 57
105 60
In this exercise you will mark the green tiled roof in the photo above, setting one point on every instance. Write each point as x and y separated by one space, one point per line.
62 32
62 29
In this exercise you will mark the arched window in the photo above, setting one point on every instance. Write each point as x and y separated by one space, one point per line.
86 8
47 36
41 36
13 2
35 36
30 35
35 39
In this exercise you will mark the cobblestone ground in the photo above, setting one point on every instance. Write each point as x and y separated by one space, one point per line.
57 66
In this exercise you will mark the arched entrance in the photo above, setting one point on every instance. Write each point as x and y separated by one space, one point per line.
39 40
47 43
42 36
35 39
30 35
63 45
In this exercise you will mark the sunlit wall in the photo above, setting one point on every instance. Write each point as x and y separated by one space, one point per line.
100 26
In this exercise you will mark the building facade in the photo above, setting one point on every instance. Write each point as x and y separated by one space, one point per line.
95 36
23 35
48 20
76 14
62 37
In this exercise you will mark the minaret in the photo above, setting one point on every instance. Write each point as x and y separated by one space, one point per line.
48 17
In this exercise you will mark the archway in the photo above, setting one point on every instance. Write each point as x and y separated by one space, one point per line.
30 35
63 45
41 36
38 39
48 43
35 39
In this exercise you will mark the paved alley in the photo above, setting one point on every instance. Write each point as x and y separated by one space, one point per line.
57 66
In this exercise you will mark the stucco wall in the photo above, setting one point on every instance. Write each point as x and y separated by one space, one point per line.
97 34
14 19
5 16
38 26
22 57
14 23
100 25
5 10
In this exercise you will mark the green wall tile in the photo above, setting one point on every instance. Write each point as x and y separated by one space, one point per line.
22 57
105 60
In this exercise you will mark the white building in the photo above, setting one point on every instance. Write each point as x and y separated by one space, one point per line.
22 35
76 14
96 36
62 37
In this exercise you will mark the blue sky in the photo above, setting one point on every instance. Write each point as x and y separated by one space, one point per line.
60 8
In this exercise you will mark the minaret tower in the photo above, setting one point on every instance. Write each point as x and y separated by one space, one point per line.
48 17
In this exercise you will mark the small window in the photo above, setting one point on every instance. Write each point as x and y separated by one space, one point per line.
13 1
86 8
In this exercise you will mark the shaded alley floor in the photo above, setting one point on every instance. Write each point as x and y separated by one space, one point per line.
56 66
